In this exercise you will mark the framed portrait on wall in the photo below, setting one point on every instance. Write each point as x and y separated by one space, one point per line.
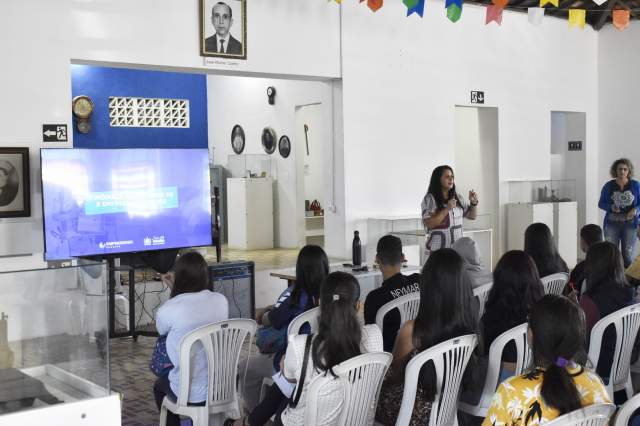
15 189
223 28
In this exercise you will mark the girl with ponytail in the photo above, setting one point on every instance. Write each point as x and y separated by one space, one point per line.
558 381
340 337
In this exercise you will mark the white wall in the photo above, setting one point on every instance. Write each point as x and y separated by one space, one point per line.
313 165
402 81
41 38
618 62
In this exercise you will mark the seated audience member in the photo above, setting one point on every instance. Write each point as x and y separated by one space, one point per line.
190 306
389 257
539 244
468 249
557 383
516 287
312 267
589 235
447 310
607 291
633 272
340 337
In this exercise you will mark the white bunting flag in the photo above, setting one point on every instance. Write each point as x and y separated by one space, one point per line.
535 15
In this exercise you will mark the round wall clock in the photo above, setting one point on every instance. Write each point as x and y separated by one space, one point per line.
284 146
269 140
82 106
237 139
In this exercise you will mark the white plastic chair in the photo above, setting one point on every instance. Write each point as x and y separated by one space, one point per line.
482 293
408 306
312 316
591 415
554 283
361 378
518 335
450 359
222 342
626 322
627 409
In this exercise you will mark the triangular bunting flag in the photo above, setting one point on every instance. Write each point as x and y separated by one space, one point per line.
553 2
500 3
410 3
417 8
599 2
620 19
448 3
535 15
374 5
577 18
494 13
454 12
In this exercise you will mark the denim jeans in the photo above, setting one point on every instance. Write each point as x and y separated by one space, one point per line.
622 234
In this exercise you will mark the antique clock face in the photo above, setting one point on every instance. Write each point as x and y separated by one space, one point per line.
84 126
82 106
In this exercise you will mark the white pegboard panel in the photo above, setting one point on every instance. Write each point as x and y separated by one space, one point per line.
148 112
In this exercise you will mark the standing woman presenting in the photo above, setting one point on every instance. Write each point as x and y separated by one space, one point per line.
620 198
443 209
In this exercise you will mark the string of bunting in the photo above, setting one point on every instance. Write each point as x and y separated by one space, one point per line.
535 15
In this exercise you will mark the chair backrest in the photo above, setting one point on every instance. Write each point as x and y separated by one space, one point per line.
361 378
626 322
554 283
450 359
517 334
625 412
312 316
482 293
591 415
408 306
222 342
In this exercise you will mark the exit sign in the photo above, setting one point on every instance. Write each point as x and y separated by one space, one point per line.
477 97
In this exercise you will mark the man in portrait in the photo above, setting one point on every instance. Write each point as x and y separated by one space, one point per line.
222 41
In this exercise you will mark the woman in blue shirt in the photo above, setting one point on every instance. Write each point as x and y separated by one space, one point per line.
620 198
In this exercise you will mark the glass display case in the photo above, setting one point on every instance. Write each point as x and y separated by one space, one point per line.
53 336
249 165
542 191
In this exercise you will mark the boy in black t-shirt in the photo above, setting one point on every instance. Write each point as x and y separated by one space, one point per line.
389 257
589 235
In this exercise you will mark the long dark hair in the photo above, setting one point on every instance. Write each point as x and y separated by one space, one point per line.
447 308
312 267
339 332
558 329
539 244
435 187
191 274
604 267
516 287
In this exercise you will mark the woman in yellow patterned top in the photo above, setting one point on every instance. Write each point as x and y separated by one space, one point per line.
557 383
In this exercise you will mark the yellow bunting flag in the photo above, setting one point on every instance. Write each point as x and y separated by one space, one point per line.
577 17
374 5
620 19
553 2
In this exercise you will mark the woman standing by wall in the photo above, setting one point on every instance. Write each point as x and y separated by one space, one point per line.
620 199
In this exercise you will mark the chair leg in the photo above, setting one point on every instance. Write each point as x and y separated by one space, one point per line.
163 416
629 388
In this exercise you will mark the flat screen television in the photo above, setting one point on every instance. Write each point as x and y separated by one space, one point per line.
100 202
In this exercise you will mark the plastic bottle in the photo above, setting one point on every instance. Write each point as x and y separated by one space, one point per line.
356 249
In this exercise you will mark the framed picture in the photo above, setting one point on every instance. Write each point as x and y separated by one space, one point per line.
223 28
269 140
15 189
284 146
237 139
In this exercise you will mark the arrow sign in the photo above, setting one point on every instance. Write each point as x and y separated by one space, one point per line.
54 133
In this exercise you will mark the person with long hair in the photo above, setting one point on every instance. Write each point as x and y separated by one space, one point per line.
516 287
340 337
557 382
607 291
620 199
590 234
312 267
539 244
190 305
443 209
447 310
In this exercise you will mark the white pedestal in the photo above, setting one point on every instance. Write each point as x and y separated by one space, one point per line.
520 216
250 213
565 230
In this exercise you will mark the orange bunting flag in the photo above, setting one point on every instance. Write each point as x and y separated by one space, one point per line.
577 18
500 3
620 19
553 2
374 5
494 13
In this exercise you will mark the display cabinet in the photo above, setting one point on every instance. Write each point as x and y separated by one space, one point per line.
542 191
53 337
249 166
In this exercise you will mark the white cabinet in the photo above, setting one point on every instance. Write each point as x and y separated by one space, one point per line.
250 213
565 230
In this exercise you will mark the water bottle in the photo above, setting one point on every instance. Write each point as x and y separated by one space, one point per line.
356 249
